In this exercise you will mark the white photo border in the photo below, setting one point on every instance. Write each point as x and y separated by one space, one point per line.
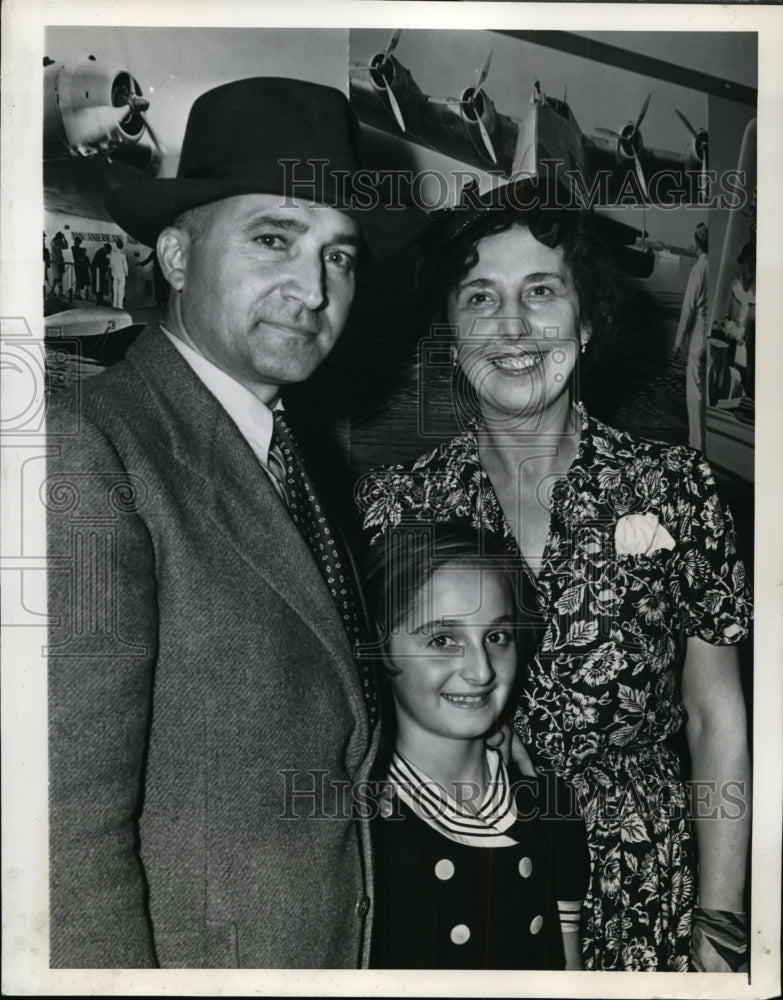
24 733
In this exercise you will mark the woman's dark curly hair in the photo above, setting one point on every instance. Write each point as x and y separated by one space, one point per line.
596 275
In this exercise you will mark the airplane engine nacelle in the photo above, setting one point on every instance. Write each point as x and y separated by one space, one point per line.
696 153
475 104
90 110
386 71
629 142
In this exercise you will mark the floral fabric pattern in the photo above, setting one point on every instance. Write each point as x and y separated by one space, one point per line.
601 689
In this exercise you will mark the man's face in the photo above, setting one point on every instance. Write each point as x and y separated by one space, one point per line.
266 288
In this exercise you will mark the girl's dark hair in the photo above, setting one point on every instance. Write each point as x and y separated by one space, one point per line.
397 567
405 559
596 275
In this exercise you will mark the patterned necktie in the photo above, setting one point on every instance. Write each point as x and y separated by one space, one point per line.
276 465
287 467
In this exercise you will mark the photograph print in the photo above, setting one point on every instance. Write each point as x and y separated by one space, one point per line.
398 489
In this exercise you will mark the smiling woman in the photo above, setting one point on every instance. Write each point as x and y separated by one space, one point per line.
634 644
518 331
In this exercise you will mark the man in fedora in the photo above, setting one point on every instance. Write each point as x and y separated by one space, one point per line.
208 721
739 324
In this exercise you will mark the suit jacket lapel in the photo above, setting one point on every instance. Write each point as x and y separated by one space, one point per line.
236 491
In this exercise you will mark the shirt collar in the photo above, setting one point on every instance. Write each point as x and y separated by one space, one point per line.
252 417
486 827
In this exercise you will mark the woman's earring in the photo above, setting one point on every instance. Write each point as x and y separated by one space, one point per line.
454 358
584 346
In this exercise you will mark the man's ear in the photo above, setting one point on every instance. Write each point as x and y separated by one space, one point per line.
172 252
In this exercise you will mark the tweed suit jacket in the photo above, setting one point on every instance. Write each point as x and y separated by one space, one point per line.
205 711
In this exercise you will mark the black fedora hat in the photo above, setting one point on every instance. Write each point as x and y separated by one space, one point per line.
266 135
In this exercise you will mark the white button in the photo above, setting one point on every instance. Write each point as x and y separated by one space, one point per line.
525 867
444 869
461 933
536 924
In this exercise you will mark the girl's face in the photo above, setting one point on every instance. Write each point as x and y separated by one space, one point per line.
519 331
456 655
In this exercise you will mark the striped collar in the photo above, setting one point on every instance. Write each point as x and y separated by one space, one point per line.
487 826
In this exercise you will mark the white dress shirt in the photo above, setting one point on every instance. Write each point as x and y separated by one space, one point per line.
252 417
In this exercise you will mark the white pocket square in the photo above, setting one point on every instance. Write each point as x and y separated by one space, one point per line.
640 534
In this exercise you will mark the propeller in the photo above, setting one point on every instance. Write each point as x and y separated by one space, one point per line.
127 93
124 95
477 108
484 72
392 43
138 104
382 73
630 142
699 138
643 112
472 103
153 135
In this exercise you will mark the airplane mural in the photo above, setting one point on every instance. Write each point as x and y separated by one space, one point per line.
468 127
611 163
96 136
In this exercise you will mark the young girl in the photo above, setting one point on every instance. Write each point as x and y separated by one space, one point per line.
468 874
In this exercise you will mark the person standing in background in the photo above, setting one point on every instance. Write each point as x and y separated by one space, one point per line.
59 244
46 261
740 322
724 382
100 272
119 272
81 269
693 322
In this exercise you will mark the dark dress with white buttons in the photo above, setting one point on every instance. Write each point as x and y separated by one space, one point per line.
473 889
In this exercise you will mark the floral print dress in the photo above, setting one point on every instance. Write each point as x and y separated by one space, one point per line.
601 691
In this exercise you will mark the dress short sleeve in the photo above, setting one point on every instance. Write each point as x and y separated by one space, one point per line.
713 593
